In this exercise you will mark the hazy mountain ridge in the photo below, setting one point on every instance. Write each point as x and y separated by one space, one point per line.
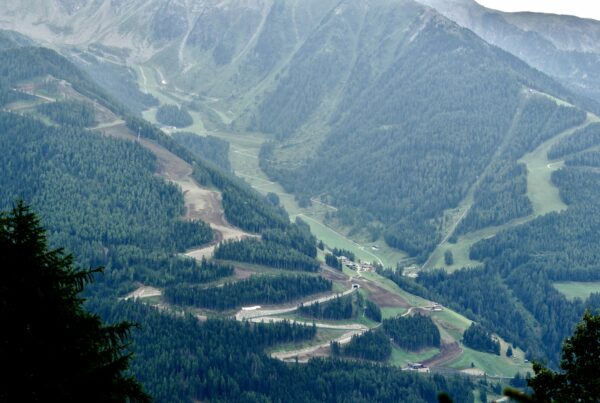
565 47
12 39
333 77
260 33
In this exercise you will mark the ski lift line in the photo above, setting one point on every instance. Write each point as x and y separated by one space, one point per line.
314 200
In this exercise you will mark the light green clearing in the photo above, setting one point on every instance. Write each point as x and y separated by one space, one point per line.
460 250
401 358
390 312
491 364
451 323
323 336
154 300
575 289
544 196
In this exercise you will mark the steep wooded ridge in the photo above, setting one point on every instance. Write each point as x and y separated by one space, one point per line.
384 109
414 116
118 213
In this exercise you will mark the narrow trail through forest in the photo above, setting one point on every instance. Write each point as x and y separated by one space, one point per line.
465 205
200 203
264 313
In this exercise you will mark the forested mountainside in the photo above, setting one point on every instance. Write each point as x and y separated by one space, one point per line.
103 193
12 39
514 293
564 47
404 127
383 98
224 361
409 125
118 213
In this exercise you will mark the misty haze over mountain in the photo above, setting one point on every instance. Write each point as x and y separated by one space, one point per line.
430 166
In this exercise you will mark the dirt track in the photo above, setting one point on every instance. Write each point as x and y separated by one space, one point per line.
448 351
200 203
381 296
320 350
263 313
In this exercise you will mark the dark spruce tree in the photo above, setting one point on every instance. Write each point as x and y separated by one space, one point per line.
54 349
578 379
479 338
372 311
332 261
372 345
172 115
448 258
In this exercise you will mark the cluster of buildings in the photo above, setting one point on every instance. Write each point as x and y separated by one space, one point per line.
416 366
435 307
360 266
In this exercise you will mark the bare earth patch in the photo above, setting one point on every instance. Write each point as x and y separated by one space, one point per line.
144 292
381 296
200 203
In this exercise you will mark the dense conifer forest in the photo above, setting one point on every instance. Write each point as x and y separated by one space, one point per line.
412 332
117 210
172 115
500 198
252 291
266 253
69 113
580 140
210 148
372 311
478 338
332 261
372 345
224 361
335 309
